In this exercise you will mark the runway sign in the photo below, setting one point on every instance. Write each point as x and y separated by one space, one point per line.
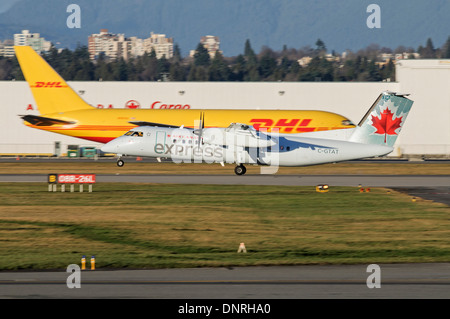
54 179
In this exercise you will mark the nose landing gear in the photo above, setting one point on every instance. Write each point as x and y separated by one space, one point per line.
120 163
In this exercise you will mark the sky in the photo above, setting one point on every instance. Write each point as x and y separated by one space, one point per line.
341 24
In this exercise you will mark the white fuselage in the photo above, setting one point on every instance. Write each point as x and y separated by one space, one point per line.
240 146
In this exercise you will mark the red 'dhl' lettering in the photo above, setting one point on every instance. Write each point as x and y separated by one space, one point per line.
48 85
284 125
258 123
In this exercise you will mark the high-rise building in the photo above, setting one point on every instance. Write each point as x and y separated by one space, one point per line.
7 48
117 46
211 43
162 46
32 39
113 46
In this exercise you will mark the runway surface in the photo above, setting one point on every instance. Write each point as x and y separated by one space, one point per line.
278 282
432 187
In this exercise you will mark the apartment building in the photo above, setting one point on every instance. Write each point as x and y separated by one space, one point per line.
7 48
115 46
211 43
34 40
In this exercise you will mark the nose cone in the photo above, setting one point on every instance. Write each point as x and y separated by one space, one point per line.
110 147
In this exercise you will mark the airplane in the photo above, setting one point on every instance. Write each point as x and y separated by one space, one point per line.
242 144
63 111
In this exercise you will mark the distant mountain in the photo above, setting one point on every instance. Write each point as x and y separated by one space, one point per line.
273 23
6 4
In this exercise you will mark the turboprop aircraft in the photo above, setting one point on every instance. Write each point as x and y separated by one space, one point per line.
63 111
242 144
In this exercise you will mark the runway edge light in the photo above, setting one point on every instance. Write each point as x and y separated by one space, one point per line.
322 188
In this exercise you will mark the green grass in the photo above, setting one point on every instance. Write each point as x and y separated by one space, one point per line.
154 226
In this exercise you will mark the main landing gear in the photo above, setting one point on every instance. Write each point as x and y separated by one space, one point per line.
240 169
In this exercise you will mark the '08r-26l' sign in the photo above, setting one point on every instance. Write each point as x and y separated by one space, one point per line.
71 178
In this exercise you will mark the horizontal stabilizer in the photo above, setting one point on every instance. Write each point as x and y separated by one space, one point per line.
143 123
43 121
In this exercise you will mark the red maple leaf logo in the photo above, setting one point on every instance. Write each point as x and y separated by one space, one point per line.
386 124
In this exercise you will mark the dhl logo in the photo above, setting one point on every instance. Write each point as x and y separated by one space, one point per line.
284 125
48 85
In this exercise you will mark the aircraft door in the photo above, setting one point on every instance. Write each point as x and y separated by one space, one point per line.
246 155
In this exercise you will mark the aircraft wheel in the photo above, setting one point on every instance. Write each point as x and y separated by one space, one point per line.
120 163
240 170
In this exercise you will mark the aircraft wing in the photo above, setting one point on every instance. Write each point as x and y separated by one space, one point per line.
144 123
237 134
43 121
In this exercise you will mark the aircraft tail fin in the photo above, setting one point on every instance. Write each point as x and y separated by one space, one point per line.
51 93
384 120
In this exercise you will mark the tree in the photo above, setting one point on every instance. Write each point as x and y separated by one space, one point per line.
373 72
201 56
319 69
86 72
249 54
388 71
321 49
121 70
239 68
446 49
428 52
6 67
177 72
150 67
219 70
176 53
267 65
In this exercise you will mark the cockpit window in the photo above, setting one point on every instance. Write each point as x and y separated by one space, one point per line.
134 133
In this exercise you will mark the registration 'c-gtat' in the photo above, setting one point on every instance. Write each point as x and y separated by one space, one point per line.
241 144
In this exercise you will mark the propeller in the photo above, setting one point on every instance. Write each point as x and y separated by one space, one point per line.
201 126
